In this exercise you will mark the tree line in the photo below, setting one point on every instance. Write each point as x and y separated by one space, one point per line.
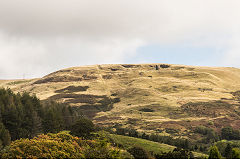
24 116
202 145
178 142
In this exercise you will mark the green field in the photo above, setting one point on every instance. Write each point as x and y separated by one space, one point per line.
150 146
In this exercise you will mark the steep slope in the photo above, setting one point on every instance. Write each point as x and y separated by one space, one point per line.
148 97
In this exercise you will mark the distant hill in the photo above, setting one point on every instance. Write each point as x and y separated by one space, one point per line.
148 97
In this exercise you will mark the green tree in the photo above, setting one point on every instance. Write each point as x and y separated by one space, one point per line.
52 121
5 138
82 128
214 153
25 117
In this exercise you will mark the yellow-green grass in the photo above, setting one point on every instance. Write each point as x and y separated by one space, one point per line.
150 146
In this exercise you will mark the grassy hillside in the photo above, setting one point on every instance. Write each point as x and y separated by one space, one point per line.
146 97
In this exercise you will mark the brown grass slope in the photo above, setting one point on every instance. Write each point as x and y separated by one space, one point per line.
147 97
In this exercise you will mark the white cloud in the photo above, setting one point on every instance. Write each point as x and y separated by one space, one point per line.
43 36
30 57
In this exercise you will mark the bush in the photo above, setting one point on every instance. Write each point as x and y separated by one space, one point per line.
61 145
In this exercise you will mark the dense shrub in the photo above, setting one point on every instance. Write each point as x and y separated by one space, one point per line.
61 145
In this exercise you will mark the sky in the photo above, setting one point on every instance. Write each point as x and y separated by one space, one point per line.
38 37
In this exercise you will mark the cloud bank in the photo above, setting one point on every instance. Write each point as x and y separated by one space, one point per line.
38 37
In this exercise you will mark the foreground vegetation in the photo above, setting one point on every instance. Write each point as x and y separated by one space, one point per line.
61 145
30 128
24 119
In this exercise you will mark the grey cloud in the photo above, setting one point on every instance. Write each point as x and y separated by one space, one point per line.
40 36
54 17
118 18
